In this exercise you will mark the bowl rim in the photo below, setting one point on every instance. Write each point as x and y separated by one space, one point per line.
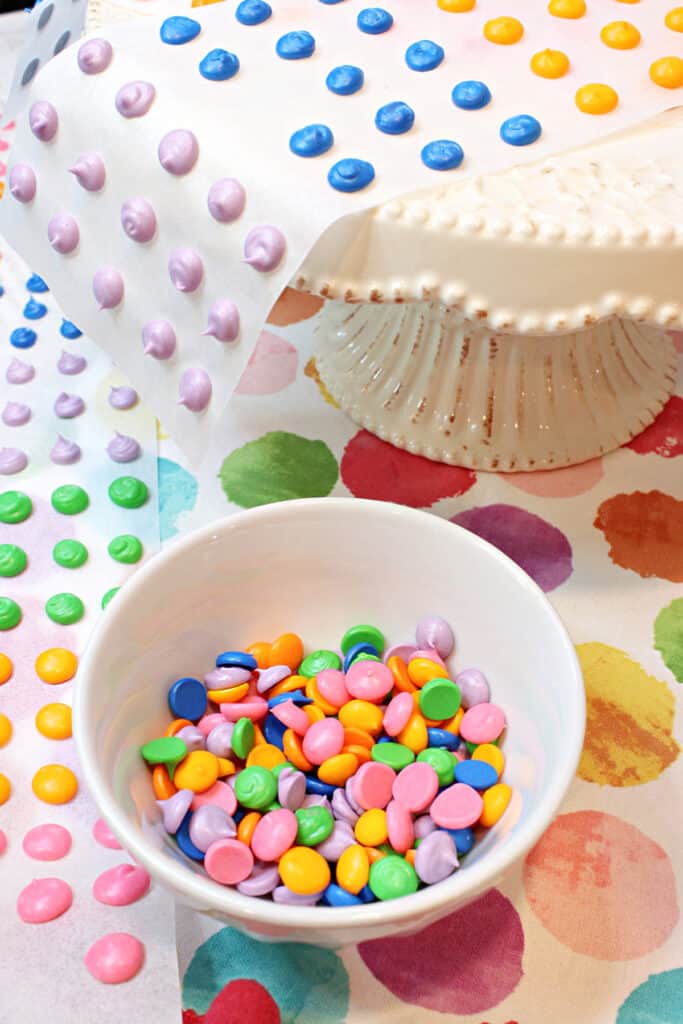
196 889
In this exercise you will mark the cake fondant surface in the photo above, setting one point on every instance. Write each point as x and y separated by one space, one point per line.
400 131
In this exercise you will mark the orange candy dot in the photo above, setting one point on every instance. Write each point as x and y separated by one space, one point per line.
55 784
294 751
596 98
5 789
176 725
56 665
503 31
287 650
567 8
245 829
5 730
266 755
54 721
550 64
161 783
620 35
674 19
667 72
6 668
260 651
456 6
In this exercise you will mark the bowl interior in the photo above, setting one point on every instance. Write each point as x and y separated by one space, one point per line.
316 568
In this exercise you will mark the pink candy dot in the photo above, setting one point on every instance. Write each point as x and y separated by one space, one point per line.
400 826
274 834
47 842
104 836
43 900
228 861
119 886
332 686
324 739
369 680
250 707
209 722
483 723
398 713
292 716
459 806
372 785
416 785
3 842
220 794
115 958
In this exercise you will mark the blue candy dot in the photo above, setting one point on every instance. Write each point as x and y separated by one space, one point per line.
521 130
69 330
34 310
463 839
219 65
330 2
295 45
345 80
424 56
187 699
236 659
253 12
471 95
23 337
351 175
36 284
319 788
395 118
312 140
334 895
183 839
178 30
442 155
443 738
297 697
374 21
274 730
477 774
2 291
353 652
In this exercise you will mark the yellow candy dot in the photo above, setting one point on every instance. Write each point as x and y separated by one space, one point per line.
674 19
371 828
414 735
54 721
550 63
304 870
620 35
503 31
422 670
55 784
5 730
456 6
336 770
353 869
229 695
361 714
667 72
197 772
265 755
567 8
596 98
492 754
496 800
6 669
56 665
225 767
5 788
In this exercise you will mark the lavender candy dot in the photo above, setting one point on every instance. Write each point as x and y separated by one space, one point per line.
67 406
436 857
433 631
342 809
262 880
123 448
194 389
95 56
107 286
208 824
264 248
291 788
134 99
223 322
123 397
430 654
12 460
348 792
89 171
70 364
43 120
226 200
340 838
222 678
139 220
63 234
19 373
284 895
158 339
64 452
473 687
186 270
316 800
404 651
175 808
270 677
219 740
423 826
22 183
15 414
192 737
178 151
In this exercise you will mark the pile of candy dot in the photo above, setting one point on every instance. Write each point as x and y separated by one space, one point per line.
331 778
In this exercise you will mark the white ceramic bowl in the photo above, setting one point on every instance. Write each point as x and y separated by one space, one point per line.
317 567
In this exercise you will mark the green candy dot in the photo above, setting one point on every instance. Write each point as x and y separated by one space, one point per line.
255 787
276 769
365 656
317 661
278 467
168 750
396 755
392 877
128 492
242 739
439 699
70 554
471 747
69 499
275 806
441 761
10 613
108 596
362 635
126 548
15 506
315 825
64 609
12 560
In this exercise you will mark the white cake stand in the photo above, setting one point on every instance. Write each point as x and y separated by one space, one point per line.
534 334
